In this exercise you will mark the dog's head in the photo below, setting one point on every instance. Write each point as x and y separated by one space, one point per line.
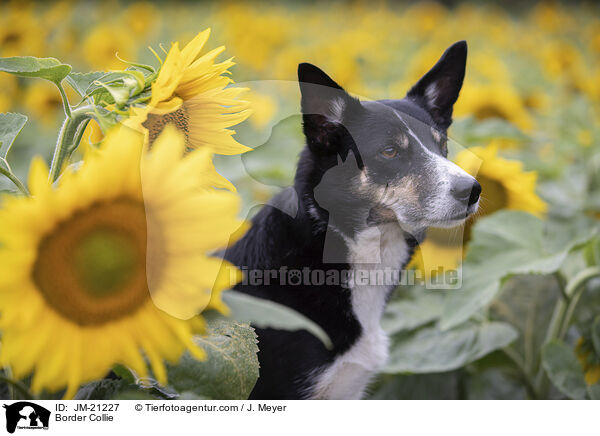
379 161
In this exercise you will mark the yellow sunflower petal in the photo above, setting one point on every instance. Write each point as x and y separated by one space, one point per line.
38 177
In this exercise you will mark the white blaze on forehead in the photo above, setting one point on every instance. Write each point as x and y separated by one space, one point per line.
441 163
411 133
453 169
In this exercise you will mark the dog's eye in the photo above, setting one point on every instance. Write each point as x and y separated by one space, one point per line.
389 152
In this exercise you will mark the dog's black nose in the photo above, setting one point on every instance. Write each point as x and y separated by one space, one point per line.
466 189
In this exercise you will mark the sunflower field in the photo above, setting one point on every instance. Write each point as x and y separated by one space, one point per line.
137 138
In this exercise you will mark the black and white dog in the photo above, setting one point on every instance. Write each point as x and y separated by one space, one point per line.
372 178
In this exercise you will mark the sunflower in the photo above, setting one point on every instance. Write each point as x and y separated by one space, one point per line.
101 45
505 185
258 35
141 18
496 100
585 137
191 92
21 33
425 17
590 362
550 17
111 265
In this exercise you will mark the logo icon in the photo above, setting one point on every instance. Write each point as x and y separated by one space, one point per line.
26 415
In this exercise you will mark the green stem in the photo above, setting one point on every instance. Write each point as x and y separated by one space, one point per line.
18 386
574 291
14 179
558 313
78 136
519 363
563 312
562 284
68 138
65 100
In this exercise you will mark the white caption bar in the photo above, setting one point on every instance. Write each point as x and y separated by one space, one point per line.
297 417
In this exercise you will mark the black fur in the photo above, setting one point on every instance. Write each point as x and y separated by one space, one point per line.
445 80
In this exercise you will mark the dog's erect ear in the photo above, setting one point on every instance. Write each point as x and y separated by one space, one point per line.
438 90
325 105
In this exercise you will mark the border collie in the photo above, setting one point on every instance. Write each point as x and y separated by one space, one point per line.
372 178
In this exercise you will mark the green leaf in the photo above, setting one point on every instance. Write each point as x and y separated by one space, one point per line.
430 349
119 389
124 373
563 369
594 392
157 391
503 244
410 313
29 66
105 118
591 252
263 313
495 383
230 370
105 389
471 131
110 87
10 126
83 83
119 94
444 386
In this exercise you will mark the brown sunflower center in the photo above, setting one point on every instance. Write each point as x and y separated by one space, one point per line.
494 195
52 103
104 261
92 268
11 38
488 111
155 123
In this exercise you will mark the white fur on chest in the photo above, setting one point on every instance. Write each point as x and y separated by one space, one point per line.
348 376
